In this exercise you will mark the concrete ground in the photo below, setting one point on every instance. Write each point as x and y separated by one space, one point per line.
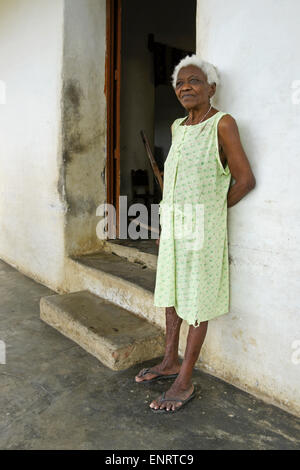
54 395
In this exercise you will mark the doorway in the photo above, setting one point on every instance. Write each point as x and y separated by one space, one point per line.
145 41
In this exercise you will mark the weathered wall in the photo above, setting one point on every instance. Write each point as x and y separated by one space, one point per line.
84 121
52 133
31 208
255 47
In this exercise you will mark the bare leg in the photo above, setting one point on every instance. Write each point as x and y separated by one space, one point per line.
170 363
182 386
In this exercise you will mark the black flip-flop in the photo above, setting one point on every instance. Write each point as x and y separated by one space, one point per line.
158 377
164 410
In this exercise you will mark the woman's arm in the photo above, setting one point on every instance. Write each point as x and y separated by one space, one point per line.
229 139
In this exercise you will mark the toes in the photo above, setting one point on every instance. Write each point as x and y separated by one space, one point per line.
138 378
141 378
144 377
141 372
171 406
156 403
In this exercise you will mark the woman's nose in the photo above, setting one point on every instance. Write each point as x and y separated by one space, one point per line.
186 86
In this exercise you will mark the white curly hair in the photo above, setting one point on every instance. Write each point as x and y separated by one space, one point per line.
207 68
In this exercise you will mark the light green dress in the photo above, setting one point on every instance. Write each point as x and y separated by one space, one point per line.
193 273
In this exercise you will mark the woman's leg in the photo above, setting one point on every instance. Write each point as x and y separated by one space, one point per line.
170 363
182 386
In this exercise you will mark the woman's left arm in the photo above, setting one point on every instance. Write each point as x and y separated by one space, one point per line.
230 142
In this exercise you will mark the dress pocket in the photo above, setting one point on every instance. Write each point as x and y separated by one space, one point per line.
165 211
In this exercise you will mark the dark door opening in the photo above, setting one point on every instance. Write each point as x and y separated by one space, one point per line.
149 39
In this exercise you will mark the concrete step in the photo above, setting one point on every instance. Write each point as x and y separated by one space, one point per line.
127 284
117 337
144 252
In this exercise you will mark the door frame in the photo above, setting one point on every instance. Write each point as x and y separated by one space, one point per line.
113 93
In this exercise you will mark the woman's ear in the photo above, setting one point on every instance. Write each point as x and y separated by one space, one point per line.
212 90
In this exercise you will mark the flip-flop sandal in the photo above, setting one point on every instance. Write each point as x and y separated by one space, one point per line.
164 410
158 377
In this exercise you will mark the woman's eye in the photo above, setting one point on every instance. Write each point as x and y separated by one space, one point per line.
193 81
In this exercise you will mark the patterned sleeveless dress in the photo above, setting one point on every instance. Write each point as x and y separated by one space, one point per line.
192 267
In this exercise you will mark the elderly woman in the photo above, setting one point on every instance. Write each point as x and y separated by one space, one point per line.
192 281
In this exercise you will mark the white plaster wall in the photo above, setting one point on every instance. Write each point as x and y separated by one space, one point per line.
31 212
255 46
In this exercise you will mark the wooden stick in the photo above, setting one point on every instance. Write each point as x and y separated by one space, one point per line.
154 166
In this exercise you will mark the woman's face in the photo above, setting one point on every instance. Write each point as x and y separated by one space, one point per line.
192 89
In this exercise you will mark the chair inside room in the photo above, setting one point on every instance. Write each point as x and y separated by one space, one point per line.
140 187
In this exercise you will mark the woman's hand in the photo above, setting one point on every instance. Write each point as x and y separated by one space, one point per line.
157 241
229 139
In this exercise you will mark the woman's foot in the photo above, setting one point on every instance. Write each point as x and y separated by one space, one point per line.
175 391
160 369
